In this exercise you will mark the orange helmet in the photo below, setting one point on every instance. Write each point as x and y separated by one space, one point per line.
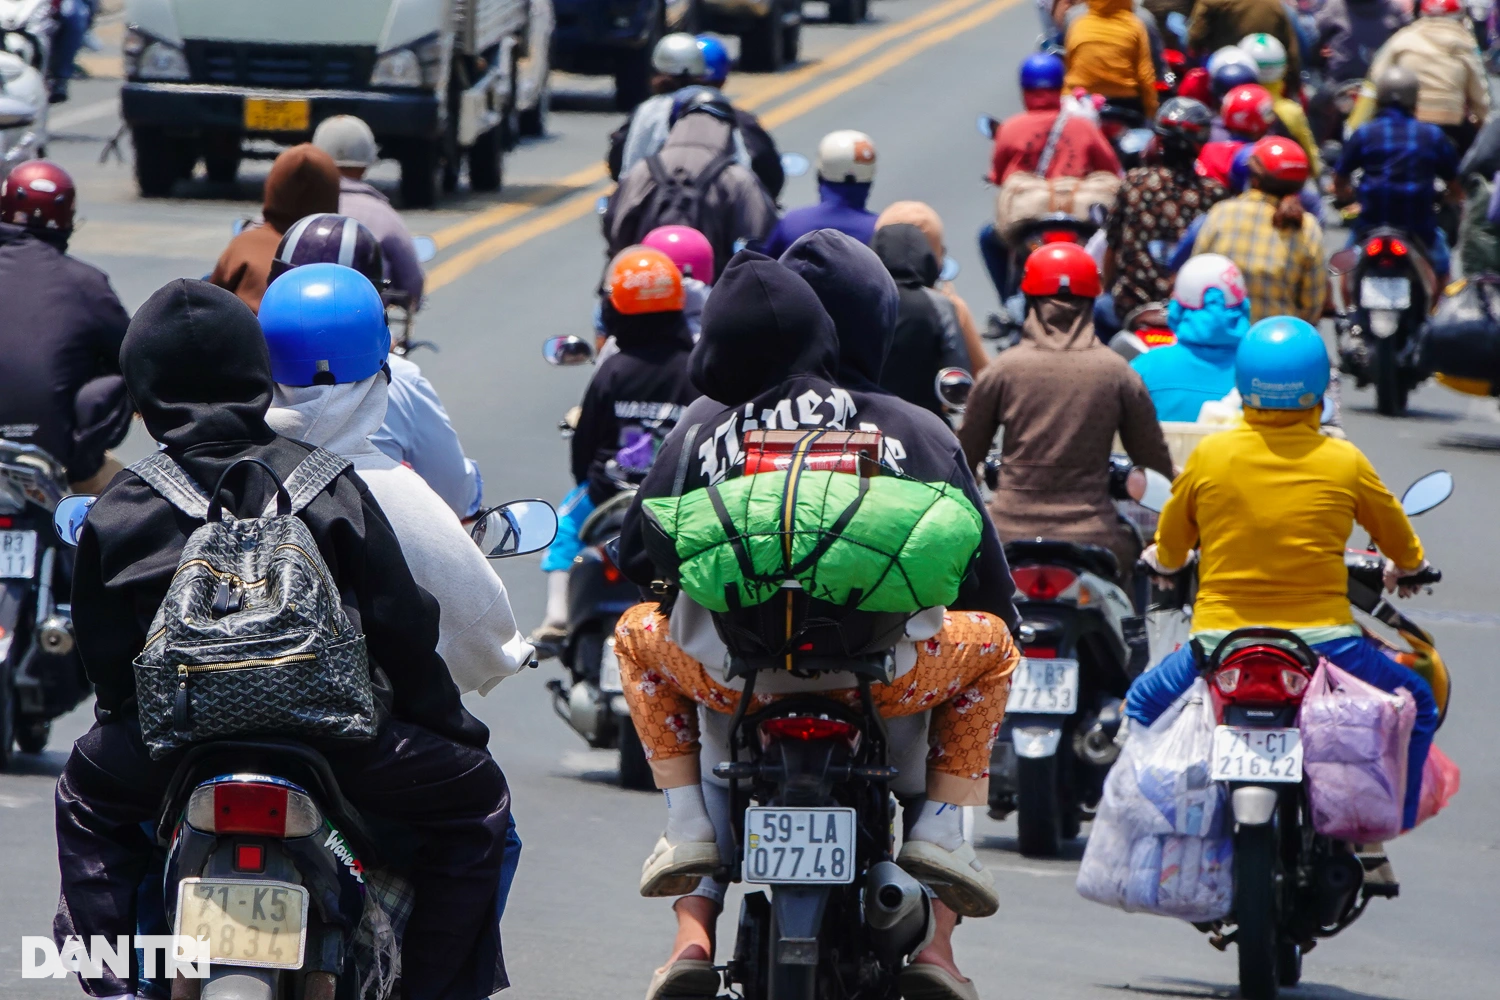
644 280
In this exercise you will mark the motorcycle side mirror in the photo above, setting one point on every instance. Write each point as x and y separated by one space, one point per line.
1427 492
240 225
602 205
426 248
1344 261
950 269
515 528
564 352
16 113
69 516
1329 412
987 126
794 164
953 386
1135 141
1157 492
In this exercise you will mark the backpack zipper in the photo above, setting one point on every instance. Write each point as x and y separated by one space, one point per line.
180 699
222 576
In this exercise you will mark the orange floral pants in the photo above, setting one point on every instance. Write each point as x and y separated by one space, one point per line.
962 675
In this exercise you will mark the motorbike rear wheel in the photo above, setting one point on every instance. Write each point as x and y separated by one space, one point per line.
1256 910
1038 809
1390 387
7 718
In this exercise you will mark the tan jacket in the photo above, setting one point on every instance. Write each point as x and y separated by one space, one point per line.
1443 54
1061 396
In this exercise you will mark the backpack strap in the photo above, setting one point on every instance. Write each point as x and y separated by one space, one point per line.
172 483
683 460
711 172
310 478
657 171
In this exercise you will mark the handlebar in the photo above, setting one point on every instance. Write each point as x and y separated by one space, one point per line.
1427 577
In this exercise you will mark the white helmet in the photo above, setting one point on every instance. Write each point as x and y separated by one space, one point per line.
347 139
1205 271
678 54
1227 55
1268 54
846 157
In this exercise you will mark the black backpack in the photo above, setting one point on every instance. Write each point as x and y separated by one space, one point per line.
676 197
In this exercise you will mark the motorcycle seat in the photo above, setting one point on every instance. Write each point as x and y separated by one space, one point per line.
1093 559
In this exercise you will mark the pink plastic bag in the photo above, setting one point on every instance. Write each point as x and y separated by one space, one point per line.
1439 784
1354 744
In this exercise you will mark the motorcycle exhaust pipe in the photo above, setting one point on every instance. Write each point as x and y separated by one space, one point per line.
897 911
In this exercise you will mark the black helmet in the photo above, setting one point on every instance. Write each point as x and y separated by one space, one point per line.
1399 86
1185 122
691 100
326 238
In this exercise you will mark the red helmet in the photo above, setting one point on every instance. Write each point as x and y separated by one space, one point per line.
38 194
1058 268
1280 159
1248 110
1441 8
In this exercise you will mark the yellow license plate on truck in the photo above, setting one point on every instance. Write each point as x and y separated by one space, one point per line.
267 115
255 923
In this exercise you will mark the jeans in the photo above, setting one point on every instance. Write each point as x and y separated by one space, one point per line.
74 18
1155 690
1106 323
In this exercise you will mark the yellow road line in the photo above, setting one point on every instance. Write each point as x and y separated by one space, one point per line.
578 205
501 214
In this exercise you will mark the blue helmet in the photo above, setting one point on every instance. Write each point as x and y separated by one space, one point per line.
324 325
1231 75
1281 364
715 59
1042 71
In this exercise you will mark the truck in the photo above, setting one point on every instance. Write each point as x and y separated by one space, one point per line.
439 82
616 38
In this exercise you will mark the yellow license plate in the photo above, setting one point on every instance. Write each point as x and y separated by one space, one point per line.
266 115
254 923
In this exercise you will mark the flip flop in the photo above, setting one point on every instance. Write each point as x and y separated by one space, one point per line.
958 877
687 979
675 869
923 981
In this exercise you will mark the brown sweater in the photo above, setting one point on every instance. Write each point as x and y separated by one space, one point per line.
1062 396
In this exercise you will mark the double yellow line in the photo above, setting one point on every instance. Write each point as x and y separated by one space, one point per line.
575 194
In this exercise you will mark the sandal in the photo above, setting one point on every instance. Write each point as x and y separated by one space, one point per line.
958 877
686 979
675 869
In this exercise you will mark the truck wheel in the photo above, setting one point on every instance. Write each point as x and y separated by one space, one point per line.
791 43
844 11
158 161
420 168
762 47
633 77
635 773
222 167
533 121
487 160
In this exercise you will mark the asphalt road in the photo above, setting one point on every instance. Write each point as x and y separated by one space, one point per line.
518 267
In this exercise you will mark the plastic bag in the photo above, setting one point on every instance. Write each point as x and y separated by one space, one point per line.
1161 842
1439 785
1354 743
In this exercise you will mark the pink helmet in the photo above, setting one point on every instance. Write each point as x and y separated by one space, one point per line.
688 248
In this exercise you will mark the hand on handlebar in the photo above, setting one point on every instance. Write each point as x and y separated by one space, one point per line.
1409 582
1162 575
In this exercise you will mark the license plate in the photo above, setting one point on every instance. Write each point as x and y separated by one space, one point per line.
1046 686
1385 293
17 554
267 115
1271 755
609 669
799 846
255 923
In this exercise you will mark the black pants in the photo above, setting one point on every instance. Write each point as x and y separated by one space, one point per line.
453 797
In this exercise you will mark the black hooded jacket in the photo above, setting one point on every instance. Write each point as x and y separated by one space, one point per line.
197 366
60 330
928 338
640 389
770 348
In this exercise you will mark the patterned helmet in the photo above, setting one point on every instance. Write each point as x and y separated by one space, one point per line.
326 238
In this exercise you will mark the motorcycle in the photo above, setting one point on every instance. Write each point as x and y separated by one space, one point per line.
1141 330
23 112
41 676
1383 291
1293 886
263 856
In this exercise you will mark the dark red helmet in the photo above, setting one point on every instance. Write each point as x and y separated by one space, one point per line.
326 238
38 194
1061 268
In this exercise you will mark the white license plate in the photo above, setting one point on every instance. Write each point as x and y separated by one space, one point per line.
1385 293
1270 755
247 922
1049 687
17 555
609 669
799 846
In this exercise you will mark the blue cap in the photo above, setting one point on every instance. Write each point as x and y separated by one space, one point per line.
1232 75
1281 364
1042 71
324 325
715 59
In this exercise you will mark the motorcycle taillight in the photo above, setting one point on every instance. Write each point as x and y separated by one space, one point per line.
611 572
1059 236
1043 583
1398 248
1375 247
263 807
808 728
1261 675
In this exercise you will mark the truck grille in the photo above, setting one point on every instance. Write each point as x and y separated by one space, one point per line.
289 66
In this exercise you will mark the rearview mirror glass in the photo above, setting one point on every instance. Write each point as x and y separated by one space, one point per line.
1158 491
1427 492
794 164
515 528
1343 261
564 352
602 205
987 126
426 248
238 226
69 516
950 269
953 385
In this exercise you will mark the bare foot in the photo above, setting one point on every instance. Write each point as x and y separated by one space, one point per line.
940 951
697 918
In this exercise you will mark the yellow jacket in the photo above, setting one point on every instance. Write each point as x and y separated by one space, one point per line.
1109 53
1271 503
1298 128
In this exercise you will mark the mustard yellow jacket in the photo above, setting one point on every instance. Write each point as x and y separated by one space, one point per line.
1109 53
1271 503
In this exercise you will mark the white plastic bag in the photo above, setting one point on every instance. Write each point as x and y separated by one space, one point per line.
1162 839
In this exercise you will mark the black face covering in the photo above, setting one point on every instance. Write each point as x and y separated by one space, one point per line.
761 325
859 294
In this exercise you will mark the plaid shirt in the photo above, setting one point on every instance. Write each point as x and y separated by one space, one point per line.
1400 157
1283 268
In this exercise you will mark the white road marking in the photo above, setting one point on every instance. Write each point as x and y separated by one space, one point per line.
17 801
86 113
